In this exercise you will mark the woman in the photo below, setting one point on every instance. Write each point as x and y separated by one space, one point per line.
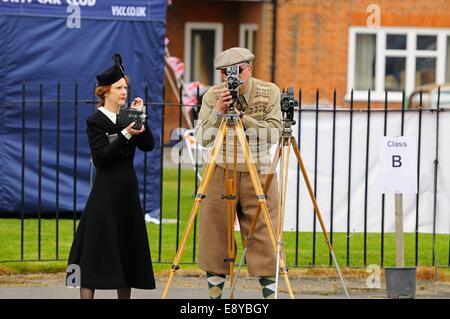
111 247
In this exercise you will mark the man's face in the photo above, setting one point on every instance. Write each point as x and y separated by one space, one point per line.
245 72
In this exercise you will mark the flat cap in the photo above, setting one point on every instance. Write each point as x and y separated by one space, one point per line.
232 56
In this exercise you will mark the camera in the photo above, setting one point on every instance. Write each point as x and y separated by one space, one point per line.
288 103
127 115
233 82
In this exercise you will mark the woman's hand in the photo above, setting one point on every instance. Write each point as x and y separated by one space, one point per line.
137 103
132 131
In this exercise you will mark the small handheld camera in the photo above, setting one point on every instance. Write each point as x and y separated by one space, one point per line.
288 103
233 83
127 115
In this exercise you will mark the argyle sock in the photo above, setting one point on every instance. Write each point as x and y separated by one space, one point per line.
215 285
268 287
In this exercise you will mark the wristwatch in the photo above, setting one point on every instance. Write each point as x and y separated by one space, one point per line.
241 114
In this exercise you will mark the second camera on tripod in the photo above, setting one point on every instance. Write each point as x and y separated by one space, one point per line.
288 105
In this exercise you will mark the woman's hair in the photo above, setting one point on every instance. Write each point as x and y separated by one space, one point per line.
100 92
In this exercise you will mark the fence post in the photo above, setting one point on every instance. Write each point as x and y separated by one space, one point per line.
145 153
196 176
332 174
180 110
297 213
316 142
366 187
75 154
22 191
41 108
349 178
383 196
161 176
436 163
419 139
58 141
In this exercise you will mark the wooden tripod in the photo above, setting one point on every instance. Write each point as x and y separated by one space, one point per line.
286 141
230 121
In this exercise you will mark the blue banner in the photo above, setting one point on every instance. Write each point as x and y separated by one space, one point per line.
110 9
40 51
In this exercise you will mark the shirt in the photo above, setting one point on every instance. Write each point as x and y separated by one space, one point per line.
113 117
262 121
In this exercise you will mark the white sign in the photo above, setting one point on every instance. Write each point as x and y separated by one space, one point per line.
398 165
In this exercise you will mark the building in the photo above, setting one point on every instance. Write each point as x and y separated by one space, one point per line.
325 45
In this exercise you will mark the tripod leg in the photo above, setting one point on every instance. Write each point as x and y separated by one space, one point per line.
198 199
280 204
284 170
231 243
317 210
260 194
230 185
267 183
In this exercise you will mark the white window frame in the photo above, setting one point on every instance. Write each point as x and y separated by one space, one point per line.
244 27
378 95
188 27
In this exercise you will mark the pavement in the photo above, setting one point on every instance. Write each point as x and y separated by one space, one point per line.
51 286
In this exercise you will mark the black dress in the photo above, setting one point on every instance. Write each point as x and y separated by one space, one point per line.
111 246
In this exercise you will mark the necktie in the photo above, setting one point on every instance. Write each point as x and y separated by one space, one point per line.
241 104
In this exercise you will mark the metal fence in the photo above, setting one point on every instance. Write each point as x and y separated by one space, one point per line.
369 113
316 110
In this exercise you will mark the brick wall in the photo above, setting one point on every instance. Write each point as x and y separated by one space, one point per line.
312 39
230 14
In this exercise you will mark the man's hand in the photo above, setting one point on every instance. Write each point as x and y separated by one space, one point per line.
224 101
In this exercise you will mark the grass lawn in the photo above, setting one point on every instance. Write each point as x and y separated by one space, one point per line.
164 250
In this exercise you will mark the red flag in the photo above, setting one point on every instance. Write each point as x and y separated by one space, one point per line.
176 65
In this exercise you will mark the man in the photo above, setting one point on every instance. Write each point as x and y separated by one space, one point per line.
258 107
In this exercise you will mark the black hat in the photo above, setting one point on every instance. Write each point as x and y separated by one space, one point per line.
113 74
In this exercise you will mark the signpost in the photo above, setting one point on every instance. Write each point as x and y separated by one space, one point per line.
398 175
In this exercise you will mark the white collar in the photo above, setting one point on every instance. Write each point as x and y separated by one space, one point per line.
111 115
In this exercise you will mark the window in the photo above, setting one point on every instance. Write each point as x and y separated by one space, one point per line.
203 41
396 60
394 78
365 62
396 42
425 71
426 42
247 36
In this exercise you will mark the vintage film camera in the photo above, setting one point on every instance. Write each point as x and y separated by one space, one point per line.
288 104
233 82
127 115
